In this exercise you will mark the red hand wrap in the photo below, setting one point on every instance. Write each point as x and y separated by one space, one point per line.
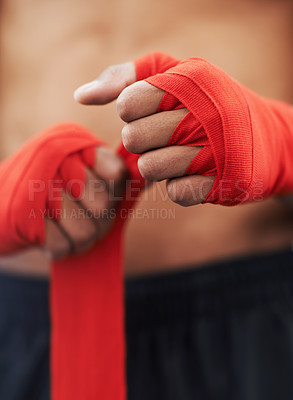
88 347
88 360
26 179
247 139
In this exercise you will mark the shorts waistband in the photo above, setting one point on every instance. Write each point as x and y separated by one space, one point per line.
218 288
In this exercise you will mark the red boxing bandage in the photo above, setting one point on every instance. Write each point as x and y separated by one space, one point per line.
28 176
247 139
87 290
87 307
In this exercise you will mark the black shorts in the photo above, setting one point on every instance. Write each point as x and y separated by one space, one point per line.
221 332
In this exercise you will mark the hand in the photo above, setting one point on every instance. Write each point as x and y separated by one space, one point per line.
59 191
234 146
81 222
148 132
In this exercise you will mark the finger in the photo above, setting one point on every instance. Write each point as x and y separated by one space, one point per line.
189 190
165 163
72 173
108 167
151 132
107 86
77 224
112 170
57 245
95 196
138 100
103 189
97 204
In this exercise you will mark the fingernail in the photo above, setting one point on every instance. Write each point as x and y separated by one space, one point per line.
85 89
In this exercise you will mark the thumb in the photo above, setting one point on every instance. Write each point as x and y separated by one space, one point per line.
107 86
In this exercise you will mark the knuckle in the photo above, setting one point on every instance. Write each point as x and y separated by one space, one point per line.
124 105
149 167
109 166
130 136
180 194
190 191
118 170
177 192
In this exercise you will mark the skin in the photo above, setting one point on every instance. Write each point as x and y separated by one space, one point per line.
84 42
75 232
149 132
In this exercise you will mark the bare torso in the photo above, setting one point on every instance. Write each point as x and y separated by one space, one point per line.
50 48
